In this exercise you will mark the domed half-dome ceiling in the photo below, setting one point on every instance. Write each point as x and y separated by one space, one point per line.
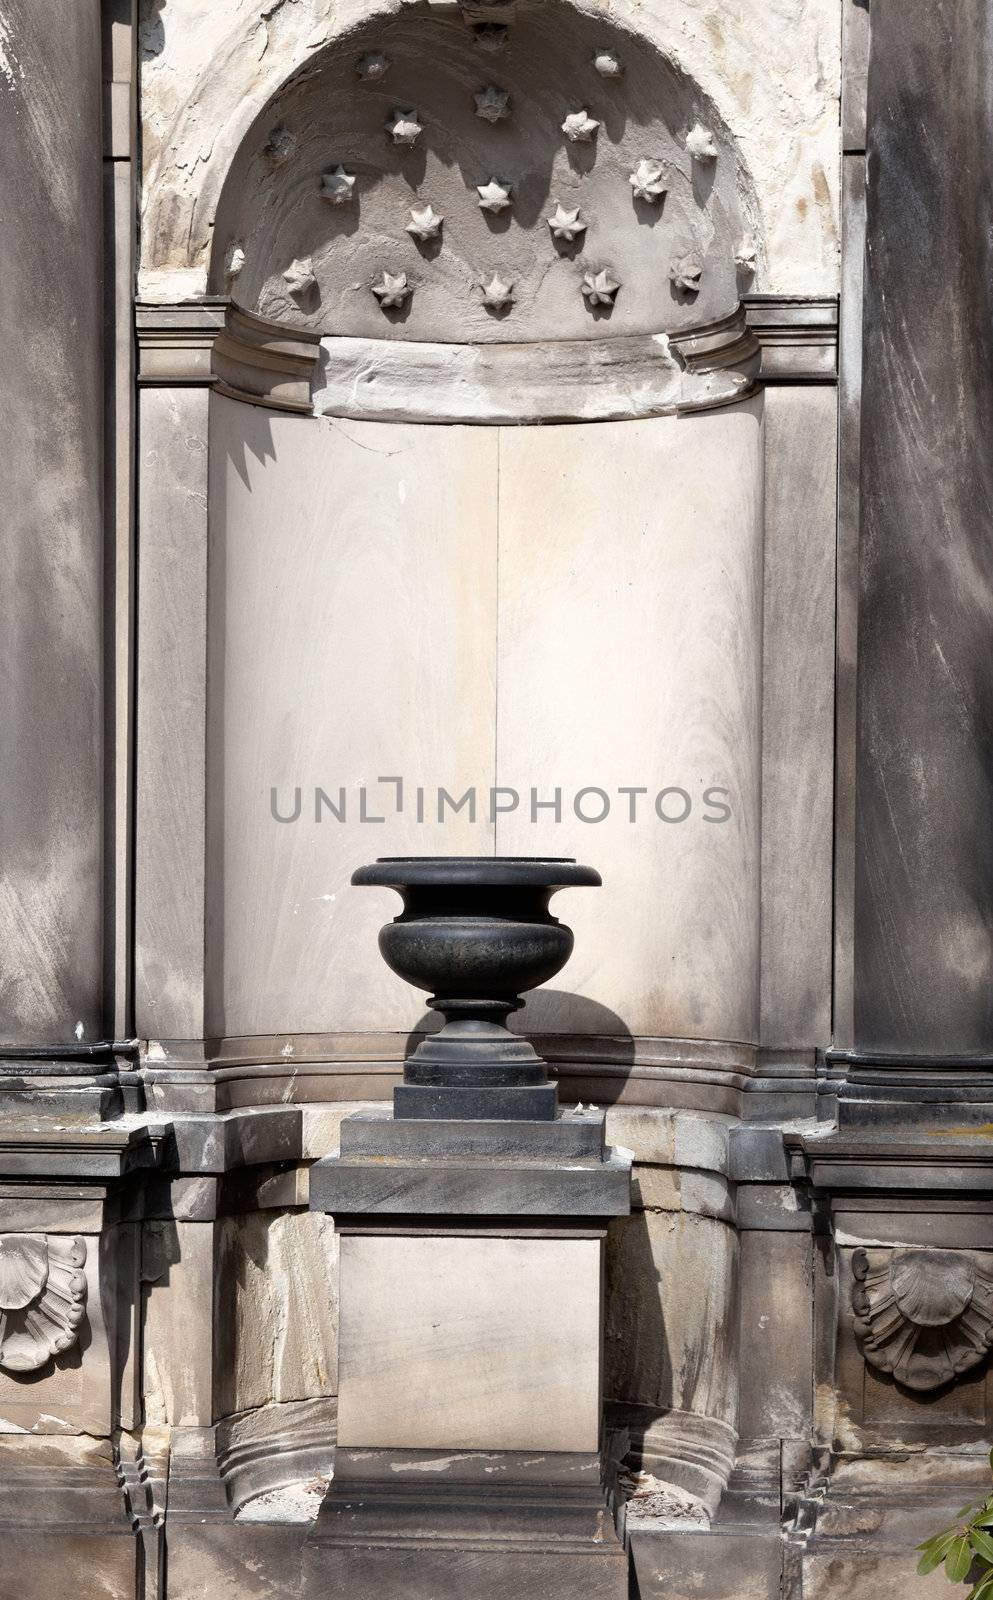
424 179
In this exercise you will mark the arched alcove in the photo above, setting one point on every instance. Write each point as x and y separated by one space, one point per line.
405 605
456 546
491 187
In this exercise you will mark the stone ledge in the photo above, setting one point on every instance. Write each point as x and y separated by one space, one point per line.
487 1187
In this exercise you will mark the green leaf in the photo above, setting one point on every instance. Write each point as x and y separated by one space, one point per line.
982 1544
983 1589
935 1551
945 1538
984 1521
958 1561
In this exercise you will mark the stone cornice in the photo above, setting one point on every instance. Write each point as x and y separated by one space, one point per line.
798 336
216 343
862 1164
769 339
175 342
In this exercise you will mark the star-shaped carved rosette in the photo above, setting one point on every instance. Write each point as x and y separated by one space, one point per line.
234 260
492 104
566 225
338 187
280 145
392 290
649 182
701 144
686 272
608 64
494 196
372 68
745 256
498 294
600 288
299 278
579 127
491 37
424 224
403 127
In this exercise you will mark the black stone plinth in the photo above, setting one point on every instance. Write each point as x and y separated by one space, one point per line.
388 1167
377 1133
472 1187
525 1103
475 933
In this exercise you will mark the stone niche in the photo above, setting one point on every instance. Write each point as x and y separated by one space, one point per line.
512 506
550 223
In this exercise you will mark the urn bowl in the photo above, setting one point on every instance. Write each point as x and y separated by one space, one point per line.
476 928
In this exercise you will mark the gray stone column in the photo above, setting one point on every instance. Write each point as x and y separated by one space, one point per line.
924 838
51 603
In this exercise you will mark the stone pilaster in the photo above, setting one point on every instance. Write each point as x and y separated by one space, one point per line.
51 598
924 844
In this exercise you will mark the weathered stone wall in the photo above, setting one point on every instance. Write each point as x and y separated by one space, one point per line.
525 529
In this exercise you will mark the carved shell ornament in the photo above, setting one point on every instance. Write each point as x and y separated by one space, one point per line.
42 1298
923 1315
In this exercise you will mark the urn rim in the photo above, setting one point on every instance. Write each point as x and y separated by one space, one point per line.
532 872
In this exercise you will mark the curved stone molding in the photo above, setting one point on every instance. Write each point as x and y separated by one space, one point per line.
263 362
270 363
923 1315
675 1448
281 1072
42 1298
577 380
276 1446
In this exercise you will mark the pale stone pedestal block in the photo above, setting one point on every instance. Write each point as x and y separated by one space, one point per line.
470 1364
469 1343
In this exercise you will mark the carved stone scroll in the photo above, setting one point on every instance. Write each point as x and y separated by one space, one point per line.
923 1315
42 1297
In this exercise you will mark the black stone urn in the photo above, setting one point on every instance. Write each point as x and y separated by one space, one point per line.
476 933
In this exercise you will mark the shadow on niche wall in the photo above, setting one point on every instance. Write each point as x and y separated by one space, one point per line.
151 26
